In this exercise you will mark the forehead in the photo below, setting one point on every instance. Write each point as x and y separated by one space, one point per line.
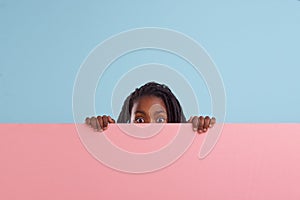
148 101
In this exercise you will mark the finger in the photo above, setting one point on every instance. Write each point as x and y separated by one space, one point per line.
100 121
111 120
201 124
206 123
105 122
212 122
94 123
98 125
195 123
88 121
190 120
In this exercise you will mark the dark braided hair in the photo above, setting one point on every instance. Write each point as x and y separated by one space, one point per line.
174 110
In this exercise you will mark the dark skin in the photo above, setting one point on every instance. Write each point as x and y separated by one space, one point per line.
150 109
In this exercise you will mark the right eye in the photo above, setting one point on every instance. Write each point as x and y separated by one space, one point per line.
139 120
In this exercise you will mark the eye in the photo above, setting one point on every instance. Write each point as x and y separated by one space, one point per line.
139 120
160 120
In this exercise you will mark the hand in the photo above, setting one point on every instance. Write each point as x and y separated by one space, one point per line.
201 124
100 123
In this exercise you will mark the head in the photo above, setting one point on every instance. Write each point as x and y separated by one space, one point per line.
154 103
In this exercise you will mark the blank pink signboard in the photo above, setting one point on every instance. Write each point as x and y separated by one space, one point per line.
250 161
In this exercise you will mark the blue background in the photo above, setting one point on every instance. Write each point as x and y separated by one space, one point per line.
255 45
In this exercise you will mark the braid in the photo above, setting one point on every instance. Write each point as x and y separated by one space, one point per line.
174 110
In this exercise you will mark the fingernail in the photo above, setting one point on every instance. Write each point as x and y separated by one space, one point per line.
195 129
204 129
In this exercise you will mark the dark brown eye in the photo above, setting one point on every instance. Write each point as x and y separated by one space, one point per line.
160 120
139 120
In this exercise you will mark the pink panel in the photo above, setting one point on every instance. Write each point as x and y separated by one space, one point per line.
250 161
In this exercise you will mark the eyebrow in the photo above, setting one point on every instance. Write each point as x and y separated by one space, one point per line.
159 111
139 111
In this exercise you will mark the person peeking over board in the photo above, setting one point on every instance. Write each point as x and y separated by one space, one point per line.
152 103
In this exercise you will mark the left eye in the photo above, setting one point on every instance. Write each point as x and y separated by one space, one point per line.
160 120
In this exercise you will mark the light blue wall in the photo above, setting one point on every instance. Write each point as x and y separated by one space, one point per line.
255 45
